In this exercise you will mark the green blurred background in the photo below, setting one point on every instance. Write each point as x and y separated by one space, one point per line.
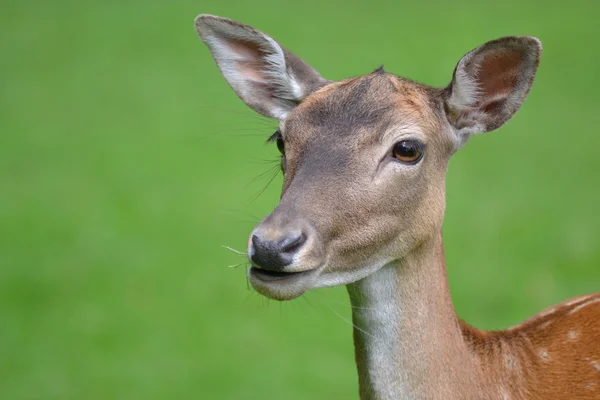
126 162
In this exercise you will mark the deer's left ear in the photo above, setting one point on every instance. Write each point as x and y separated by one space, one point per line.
490 83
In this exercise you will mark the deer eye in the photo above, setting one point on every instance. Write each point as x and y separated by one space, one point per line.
278 139
280 145
408 151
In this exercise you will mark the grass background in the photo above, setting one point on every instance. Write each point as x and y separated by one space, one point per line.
126 162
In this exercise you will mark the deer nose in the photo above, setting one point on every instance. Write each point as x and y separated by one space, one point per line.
275 254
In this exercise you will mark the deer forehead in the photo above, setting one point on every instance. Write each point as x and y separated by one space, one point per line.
361 110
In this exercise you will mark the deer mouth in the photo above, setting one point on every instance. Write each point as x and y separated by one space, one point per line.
266 275
278 285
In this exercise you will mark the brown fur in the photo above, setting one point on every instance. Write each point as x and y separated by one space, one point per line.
552 356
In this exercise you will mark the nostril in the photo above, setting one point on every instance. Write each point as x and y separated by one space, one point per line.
274 255
256 242
292 243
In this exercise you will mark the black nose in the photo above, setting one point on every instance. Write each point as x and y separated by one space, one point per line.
275 254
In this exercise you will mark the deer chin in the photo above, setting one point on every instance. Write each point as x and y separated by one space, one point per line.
290 285
282 285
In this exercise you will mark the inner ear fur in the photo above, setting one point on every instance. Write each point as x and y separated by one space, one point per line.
266 76
491 82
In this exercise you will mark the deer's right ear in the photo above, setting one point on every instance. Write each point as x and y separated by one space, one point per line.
262 73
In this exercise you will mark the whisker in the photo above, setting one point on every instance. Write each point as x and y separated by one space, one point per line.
348 321
276 161
234 250
257 195
235 136
246 114
249 132
244 135
344 304
244 213
265 301
249 295
248 281
306 299
253 127
263 174
249 219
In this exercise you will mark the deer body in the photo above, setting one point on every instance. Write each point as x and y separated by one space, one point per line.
364 163
415 347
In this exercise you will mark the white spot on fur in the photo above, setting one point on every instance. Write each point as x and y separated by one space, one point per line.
596 365
543 354
573 335
584 304
577 300
504 394
546 324
549 311
510 362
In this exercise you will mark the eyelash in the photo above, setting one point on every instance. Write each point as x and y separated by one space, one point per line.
274 136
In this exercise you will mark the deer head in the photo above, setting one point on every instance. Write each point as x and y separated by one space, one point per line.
364 159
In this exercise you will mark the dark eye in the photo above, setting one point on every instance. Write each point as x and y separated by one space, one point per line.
280 145
278 139
408 151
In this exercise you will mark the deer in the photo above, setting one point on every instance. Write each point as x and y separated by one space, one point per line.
364 163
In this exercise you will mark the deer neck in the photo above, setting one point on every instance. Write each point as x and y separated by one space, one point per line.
408 339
